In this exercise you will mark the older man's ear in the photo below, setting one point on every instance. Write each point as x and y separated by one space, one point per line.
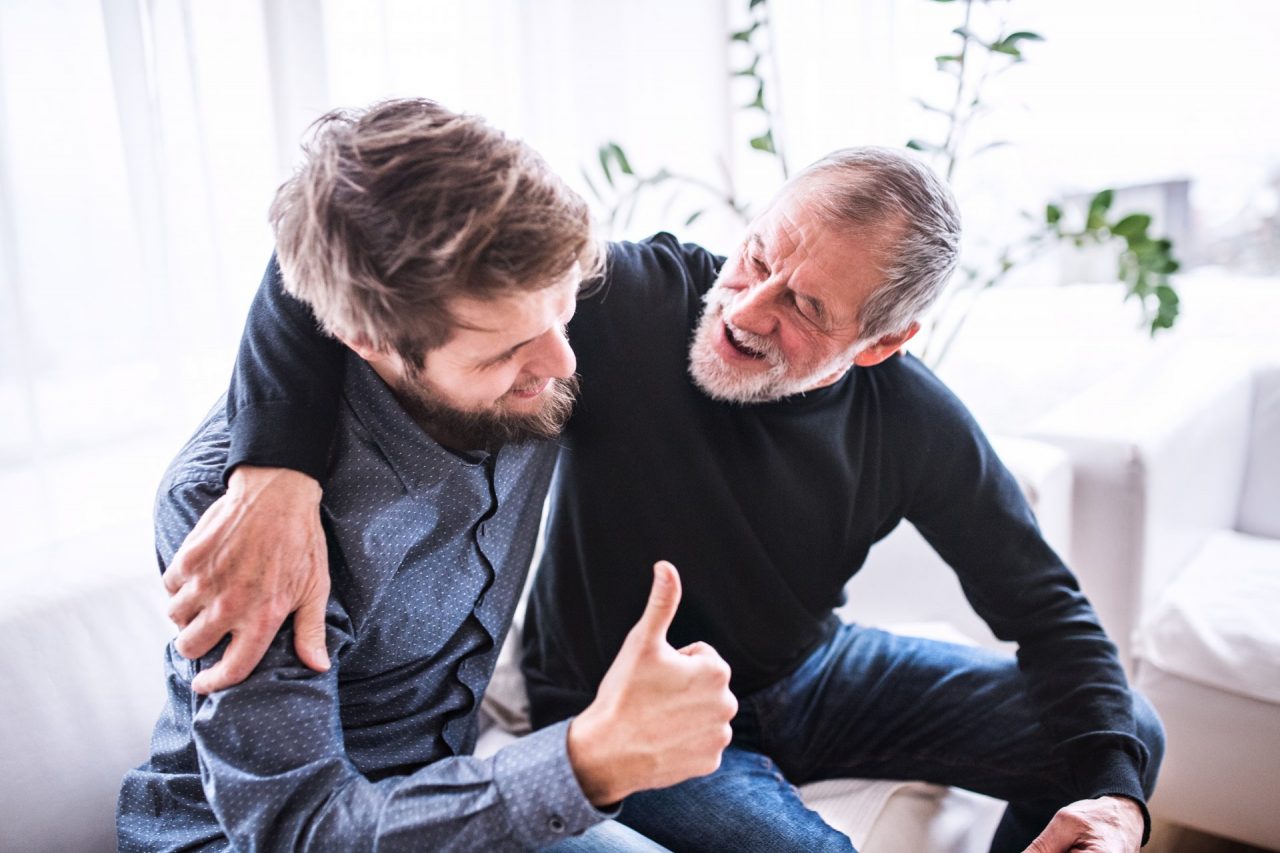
885 347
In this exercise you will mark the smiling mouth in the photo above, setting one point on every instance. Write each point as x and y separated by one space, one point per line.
531 390
732 337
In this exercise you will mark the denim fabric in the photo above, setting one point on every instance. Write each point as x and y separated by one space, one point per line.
607 837
870 704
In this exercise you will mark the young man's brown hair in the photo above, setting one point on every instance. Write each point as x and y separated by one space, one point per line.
403 206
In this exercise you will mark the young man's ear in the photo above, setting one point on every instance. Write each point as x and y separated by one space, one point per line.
361 347
885 347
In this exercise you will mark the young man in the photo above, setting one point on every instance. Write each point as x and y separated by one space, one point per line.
447 259
749 418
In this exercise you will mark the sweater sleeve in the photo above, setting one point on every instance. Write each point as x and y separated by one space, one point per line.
971 510
283 401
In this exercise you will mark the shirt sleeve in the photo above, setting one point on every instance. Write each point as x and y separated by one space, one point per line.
282 405
276 774
969 507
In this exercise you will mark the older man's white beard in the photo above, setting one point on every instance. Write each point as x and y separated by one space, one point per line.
723 381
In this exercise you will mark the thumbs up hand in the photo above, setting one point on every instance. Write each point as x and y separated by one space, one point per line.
661 715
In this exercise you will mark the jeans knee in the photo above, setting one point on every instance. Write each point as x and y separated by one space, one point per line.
1151 732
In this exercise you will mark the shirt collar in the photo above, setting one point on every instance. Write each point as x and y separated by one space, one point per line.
417 459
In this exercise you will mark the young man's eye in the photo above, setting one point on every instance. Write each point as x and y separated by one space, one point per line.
502 359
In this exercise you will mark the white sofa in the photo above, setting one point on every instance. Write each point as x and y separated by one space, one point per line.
1177 528
1207 649
82 630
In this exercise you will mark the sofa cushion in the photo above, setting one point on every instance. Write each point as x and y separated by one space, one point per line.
1216 624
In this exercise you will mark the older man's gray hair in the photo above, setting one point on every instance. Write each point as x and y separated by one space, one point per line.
905 203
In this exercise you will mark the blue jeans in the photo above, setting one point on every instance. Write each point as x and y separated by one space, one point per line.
607 837
869 704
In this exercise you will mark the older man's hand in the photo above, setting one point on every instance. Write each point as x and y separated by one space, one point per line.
1103 825
257 555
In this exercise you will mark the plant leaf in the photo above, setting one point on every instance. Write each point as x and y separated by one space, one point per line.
621 157
758 103
1022 35
764 142
606 152
693 217
968 34
1131 226
921 145
1052 214
1098 206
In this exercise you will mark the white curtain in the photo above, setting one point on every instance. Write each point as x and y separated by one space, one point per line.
141 142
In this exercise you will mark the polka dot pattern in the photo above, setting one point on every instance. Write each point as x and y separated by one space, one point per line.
428 555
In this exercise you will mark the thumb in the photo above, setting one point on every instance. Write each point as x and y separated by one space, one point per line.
664 598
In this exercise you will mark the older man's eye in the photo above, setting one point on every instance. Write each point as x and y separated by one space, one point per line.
807 308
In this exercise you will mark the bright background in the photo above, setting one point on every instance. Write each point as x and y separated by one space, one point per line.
141 142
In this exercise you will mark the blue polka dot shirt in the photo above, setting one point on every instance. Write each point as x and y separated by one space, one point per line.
428 556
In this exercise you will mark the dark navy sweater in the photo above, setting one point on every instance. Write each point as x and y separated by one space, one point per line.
765 509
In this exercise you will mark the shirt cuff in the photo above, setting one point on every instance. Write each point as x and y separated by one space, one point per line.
1111 773
266 434
543 798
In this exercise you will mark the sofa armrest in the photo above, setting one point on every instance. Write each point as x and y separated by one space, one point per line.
1158 456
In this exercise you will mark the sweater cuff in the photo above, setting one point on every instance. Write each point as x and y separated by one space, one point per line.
268 434
1112 773
544 800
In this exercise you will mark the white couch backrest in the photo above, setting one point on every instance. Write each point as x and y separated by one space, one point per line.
1260 497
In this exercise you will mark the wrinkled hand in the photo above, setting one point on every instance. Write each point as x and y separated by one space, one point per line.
661 715
257 555
1104 825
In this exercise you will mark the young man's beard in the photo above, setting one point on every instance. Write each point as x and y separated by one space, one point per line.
491 428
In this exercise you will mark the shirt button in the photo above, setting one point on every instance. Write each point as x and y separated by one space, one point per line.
556 824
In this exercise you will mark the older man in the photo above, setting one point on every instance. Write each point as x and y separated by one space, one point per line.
747 418
447 260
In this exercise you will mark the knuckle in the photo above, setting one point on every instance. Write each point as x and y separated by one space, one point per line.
215 611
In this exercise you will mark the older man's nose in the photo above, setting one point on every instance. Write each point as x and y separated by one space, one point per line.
753 311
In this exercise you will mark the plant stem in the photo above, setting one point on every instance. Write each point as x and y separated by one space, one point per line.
954 116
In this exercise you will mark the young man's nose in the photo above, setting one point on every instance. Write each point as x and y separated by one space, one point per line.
553 357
